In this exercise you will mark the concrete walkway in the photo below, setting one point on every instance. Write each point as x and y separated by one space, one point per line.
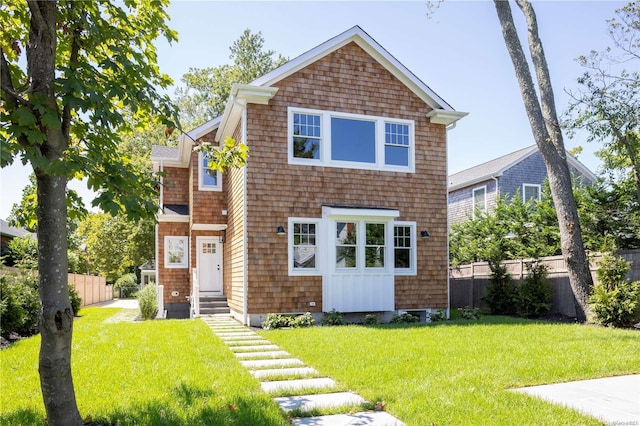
613 400
280 374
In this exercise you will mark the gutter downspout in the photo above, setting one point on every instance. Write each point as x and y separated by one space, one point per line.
157 262
245 277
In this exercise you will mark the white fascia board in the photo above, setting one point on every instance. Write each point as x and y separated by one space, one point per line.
369 45
446 117
581 167
475 181
240 95
177 218
360 212
208 227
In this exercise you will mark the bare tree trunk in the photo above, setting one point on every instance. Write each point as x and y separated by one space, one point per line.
548 137
56 315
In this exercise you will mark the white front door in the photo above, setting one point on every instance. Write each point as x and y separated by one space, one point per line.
209 265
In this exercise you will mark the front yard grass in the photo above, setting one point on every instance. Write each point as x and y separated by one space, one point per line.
145 373
459 372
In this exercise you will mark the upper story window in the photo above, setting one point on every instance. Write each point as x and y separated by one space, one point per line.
479 200
208 179
349 140
530 192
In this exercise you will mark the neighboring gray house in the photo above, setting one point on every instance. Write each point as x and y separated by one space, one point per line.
477 188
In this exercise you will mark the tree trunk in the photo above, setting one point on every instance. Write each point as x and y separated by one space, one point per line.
56 316
548 137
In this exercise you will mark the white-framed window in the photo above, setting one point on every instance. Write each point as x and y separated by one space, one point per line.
479 200
404 245
336 139
304 256
531 192
176 252
208 179
360 245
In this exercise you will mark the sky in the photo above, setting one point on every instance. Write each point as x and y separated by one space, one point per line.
459 53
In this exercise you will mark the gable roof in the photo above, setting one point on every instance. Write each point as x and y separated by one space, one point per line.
11 231
496 167
263 89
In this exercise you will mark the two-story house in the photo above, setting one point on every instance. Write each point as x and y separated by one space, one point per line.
477 189
343 201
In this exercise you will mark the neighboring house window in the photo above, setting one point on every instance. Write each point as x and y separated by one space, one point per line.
350 140
303 246
530 192
208 179
404 245
176 252
479 200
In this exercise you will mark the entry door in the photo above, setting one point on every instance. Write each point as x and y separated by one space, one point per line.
210 264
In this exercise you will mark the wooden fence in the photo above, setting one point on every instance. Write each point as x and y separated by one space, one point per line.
91 288
467 283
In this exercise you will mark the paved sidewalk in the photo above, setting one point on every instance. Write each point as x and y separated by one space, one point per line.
117 303
614 400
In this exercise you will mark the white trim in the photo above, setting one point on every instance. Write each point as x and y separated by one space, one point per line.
185 261
208 227
473 204
317 271
531 185
201 186
325 141
413 270
239 96
177 218
446 117
359 212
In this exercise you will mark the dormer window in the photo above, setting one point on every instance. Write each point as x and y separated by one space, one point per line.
208 179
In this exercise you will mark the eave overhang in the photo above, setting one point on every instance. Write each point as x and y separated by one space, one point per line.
240 96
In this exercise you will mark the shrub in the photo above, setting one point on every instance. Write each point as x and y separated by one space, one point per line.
615 301
305 320
273 321
534 294
74 299
439 315
148 302
332 317
403 318
469 313
127 284
371 319
19 303
501 293
23 252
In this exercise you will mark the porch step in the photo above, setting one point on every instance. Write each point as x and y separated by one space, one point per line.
212 305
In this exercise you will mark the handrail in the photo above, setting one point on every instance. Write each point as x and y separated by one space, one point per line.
195 295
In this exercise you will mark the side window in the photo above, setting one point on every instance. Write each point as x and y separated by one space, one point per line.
530 192
396 144
208 179
307 136
479 200
346 244
176 252
303 246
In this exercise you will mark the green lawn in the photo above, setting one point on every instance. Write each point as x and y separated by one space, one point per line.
458 373
146 373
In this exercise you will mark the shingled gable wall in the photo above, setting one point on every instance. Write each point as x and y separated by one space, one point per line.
347 80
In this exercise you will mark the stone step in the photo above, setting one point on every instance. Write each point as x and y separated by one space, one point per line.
212 310
240 333
289 385
277 362
233 343
238 337
300 371
374 418
253 348
325 400
261 355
